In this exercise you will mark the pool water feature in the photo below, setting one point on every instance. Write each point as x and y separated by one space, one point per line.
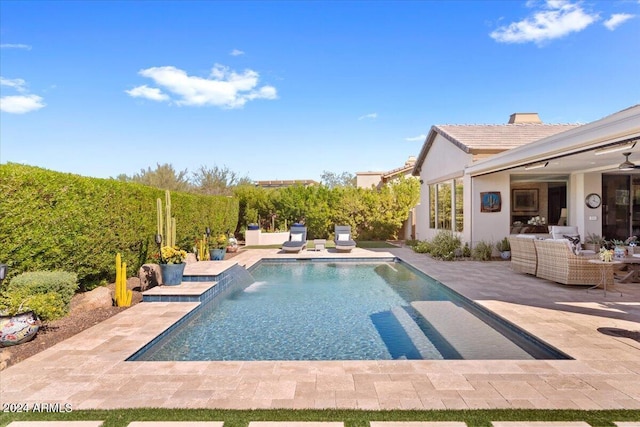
342 311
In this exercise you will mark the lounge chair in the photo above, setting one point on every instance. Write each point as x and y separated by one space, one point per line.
297 239
342 238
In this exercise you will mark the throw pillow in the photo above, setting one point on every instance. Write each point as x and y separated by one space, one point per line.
343 237
574 244
297 237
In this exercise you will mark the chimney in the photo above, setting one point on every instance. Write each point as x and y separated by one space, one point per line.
410 161
524 118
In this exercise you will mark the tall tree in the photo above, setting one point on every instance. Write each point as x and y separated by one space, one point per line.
334 180
217 180
163 176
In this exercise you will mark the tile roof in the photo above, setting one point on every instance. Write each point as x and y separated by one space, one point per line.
479 138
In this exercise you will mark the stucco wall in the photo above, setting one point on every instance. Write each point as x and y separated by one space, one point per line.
444 161
490 226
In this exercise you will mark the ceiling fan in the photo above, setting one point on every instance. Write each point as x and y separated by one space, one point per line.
627 165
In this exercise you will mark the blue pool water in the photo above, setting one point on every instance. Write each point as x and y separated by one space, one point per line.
341 311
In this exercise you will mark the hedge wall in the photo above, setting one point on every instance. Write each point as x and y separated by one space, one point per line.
57 221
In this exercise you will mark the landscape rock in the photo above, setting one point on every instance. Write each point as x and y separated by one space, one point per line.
100 297
191 257
150 276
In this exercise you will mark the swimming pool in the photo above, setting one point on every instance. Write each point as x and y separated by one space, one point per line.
342 311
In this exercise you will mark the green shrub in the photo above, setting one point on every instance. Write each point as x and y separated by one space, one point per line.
482 251
423 247
444 245
59 221
47 293
46 306
466 250
62 283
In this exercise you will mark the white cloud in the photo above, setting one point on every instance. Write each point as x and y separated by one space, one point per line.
616 20
15 46
147 92
557 19
236 52
18 84
223 88
369 116
416 138
20 104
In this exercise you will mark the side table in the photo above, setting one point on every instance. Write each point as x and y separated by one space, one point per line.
603 273
319 244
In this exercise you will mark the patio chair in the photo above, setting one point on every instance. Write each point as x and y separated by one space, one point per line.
342 238
297 239
558 263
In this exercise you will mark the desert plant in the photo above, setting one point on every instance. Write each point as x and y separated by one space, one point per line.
595 239
122 294
503 245
482 251
47 293
422 247
466 250
444 245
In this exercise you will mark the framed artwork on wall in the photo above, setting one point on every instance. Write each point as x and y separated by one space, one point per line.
490 201
525 200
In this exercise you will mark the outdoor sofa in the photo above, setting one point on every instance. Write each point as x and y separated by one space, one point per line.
523 253
558 262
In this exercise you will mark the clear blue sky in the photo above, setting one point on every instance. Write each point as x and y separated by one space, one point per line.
285 90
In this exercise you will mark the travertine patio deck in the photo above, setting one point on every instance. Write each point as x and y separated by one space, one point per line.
89 371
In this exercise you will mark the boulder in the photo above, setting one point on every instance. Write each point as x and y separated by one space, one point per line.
150 276
100 297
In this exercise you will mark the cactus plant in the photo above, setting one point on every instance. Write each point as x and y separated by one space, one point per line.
166 226
203 249
122 294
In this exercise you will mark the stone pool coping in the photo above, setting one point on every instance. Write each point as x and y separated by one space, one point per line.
89 370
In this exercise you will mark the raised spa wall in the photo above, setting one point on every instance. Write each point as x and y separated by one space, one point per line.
258 238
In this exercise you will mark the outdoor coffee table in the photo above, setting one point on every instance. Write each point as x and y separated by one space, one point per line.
633 265
603 273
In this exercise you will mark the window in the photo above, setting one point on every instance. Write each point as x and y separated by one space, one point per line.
459 204
446 205
432 206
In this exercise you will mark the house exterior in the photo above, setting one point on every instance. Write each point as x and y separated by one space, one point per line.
485 182
377 179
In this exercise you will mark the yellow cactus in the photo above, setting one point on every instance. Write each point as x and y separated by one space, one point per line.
122 294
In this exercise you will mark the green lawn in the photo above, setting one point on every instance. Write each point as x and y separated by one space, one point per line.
351 418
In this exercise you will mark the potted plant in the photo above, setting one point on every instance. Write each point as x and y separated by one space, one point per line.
172 264
593 242
631 244
504 247
219 247
16 325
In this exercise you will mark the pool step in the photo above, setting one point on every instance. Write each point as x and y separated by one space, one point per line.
469 336
425 348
